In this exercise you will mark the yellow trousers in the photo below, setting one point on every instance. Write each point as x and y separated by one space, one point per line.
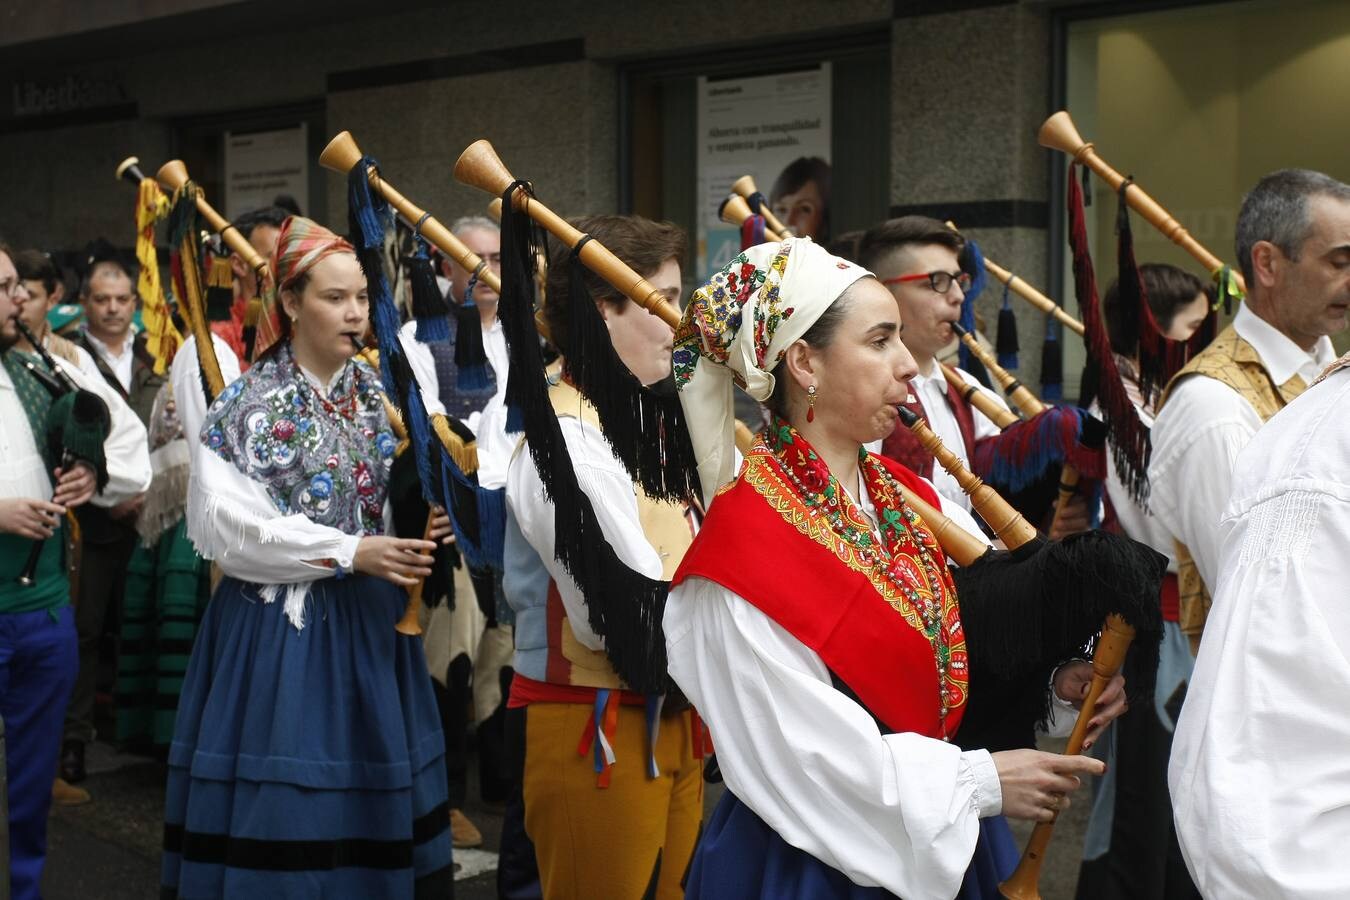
629 841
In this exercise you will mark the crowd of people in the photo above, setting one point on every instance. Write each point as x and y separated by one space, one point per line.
773 614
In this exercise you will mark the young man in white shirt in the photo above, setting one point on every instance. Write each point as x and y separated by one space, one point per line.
918 258
1293 244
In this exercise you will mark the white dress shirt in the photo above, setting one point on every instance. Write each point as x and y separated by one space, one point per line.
495 445
1260 768
932 393
1200 432
126 450
1136 521
900 811
185 376
119 363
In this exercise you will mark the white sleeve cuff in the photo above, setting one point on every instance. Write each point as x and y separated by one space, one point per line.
1063 714
978 766
342 554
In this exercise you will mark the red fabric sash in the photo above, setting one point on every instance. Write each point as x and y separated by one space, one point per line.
903 445
754 543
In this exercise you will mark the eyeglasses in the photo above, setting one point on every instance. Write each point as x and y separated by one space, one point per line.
938 281
12 287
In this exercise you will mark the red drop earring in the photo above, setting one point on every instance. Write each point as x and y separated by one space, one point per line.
811 403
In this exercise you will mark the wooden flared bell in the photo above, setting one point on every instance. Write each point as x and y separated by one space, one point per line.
341 153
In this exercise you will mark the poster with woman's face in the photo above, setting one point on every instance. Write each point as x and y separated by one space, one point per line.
800 198
776 129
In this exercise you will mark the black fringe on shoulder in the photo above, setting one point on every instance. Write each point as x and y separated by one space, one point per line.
623 606
1029 610
643 425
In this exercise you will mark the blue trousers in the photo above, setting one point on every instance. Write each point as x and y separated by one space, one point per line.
38 660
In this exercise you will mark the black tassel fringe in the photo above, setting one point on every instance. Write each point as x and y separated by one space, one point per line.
428 305
643 425
623 606
1029 610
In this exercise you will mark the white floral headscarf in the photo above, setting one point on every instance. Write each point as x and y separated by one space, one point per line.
737 328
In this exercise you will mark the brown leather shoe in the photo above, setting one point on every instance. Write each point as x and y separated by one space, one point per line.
463 833
66 794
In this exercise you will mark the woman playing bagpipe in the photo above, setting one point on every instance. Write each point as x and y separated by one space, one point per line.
306 758
855 687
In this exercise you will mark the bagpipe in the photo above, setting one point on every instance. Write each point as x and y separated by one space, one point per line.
444 450
1059 133
186 203
1159 357
78 424
1128 610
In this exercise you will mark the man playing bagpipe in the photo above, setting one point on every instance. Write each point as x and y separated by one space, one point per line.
68 439
612 782
919 260
1293 245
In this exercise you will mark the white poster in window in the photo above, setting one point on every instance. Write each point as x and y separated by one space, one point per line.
775 128
263 164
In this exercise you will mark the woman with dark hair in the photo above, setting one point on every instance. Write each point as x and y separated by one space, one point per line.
815 625
307 755
1131 847
801 198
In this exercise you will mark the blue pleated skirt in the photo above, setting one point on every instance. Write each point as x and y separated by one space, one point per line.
741 857
307 763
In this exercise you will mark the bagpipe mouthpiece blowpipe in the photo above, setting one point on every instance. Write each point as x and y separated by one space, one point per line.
972 394
1007 522
1026 401
1020 395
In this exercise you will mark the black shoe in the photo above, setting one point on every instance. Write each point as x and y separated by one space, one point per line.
72 762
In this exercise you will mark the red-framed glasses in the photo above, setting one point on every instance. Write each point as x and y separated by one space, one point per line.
938 281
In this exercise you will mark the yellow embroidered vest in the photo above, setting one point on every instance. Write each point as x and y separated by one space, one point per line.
1234 362
666 526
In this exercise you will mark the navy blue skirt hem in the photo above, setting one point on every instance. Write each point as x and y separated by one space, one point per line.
739 856
306 763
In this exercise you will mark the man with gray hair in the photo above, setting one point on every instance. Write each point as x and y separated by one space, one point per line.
1293 245
468 646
